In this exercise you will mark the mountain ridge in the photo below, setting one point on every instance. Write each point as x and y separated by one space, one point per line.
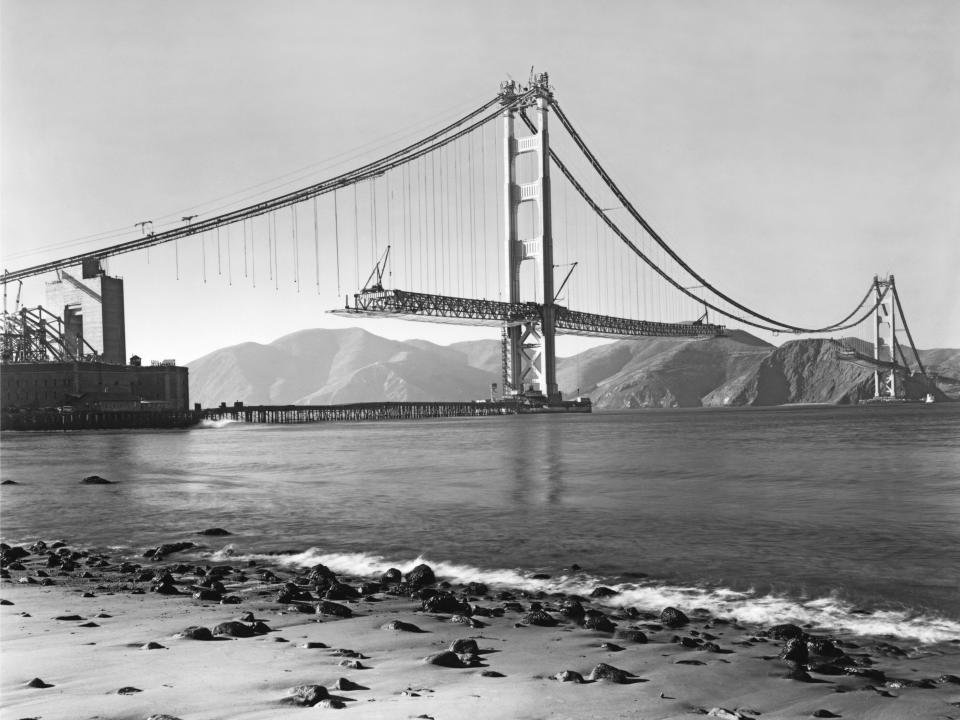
323 366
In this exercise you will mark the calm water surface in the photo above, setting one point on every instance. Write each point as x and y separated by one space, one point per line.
816 513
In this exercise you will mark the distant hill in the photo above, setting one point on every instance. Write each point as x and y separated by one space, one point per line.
324 366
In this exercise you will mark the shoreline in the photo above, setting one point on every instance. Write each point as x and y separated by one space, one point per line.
87 624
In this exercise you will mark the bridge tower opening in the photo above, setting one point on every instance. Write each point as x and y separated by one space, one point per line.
529 347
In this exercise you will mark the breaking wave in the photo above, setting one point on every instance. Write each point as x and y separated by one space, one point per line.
215 424
824 613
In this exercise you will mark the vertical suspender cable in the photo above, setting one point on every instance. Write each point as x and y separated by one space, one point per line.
483 206
356 237
229 259
336 240
244 223
437 244
316 243
473 237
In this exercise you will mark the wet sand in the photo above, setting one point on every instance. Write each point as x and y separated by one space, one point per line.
101 639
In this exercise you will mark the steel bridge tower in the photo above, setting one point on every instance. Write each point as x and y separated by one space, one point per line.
529 348
884 379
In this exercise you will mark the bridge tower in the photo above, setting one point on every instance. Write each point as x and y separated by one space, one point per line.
884 380
529 348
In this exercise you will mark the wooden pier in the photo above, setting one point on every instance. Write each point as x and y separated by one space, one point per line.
274 414
356 412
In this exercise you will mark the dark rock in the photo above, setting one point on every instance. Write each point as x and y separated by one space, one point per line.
673 618
216 532
128 690
208 594
611 647
785 632
952 679
235 629
476 588
88 624
421 575
307 695
152 646
169 548
540 576
827 668
444 602
572 609
603 592
689 662
95 480
6 602
341 591
347 652
353 664
9 482
798 674
822 647
569 676
637 636
165 589
346 685
162 717
540 618
794 651
391 577
13 553
868 673
447 658
321 571
315 645
491 673
513 606
69 618
325 607
608 672
464 646
596 620
38 683
468 621
824 714
889 650
922 683
402 626
370 588
689 642
195 633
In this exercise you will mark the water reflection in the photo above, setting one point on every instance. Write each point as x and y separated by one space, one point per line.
535 457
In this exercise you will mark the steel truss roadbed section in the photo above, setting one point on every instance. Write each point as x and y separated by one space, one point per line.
406 305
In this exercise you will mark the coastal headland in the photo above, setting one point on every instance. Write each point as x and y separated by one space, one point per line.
177 634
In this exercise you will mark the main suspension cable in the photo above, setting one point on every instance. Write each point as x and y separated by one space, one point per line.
659 240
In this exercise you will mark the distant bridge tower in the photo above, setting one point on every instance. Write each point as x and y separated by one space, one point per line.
530 348
884 378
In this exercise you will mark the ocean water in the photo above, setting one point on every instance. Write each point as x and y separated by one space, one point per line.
844 517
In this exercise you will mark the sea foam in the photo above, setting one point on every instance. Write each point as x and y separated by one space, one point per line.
825 614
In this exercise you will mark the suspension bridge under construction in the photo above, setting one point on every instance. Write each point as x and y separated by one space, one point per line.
489 220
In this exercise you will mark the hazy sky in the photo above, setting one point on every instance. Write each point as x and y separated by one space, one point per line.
789 151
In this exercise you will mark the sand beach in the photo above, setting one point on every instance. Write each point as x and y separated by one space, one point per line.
87 635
